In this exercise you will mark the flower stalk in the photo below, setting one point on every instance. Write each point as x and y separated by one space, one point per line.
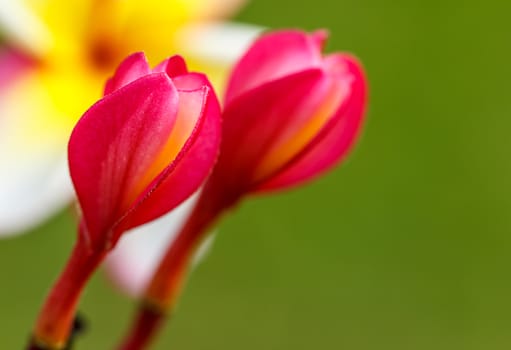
55 320
162 294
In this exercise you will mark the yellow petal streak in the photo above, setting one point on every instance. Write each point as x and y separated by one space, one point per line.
285 150
190 106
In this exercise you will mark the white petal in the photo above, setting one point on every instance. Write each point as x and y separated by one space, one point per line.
32 189
218 42
133 261
34 180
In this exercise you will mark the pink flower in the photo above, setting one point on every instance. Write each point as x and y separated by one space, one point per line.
290 113
143 148
137 153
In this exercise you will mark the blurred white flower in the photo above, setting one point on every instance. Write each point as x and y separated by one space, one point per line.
57 57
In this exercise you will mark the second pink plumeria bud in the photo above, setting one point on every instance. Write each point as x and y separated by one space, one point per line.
290 112
144 148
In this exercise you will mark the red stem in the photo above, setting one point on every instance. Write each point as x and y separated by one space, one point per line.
144 328
56 318
165 287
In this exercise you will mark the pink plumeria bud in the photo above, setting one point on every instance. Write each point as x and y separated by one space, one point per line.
290 114
144 148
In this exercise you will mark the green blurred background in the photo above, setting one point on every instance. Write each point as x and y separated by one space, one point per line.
406 246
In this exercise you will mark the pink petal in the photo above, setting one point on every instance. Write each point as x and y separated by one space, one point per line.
193 163
12 66
173 66
319 38
191 81
133 67
255 121
271 57
334 141
318 107
114 143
